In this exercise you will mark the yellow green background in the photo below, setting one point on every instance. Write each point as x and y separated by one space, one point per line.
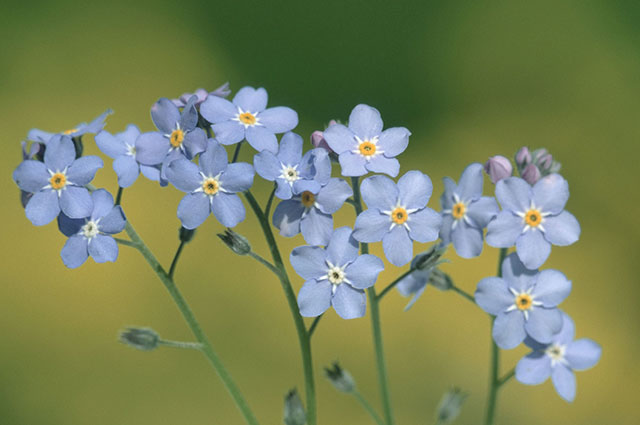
469 79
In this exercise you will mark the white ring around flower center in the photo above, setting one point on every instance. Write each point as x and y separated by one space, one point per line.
368 149
90 230
289 173
523 301
247 118
533 218
556 352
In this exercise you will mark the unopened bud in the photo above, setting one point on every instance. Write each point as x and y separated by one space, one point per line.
293 409
236 243
144 339
544 162
450 406
429 259
523 157
440 280
531 174
498 167
537 154
186 235
340 378
318 140
555 167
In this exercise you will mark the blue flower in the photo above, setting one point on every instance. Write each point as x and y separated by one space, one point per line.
292 172
524 302
178 136
247 117
558 359
92 235
311 212
364 147
335 276
397 215
533 218
29 152
414 284
211 187
201 95
93 127
465 212
122 148
57 184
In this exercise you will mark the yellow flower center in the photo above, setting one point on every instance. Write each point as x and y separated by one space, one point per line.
247 118
308 199
210 186
70 131
58 181
524 301
533 218
176 138
399 215
367 148
458 210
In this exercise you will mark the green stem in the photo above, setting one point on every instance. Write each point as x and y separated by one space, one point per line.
394 283
191 320
465 294
236 153
494 381
303 336
126 243
180 344
174 263
365 404
506 377
267 209
265 263
314 324
119 195
383 379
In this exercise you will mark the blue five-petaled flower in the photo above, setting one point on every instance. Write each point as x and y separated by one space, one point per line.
397 215
533 218
335 276
58 183
247 117
524 302
92 235
465 212
98 123
363 146
211 187
558 359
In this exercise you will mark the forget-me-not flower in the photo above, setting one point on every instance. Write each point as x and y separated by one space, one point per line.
211 187
91 236
533 218
247 117
41 136
524 302
178 135
122 148
28 153
335 276
465 212
292 172
397 215
363 146
558 359
57 183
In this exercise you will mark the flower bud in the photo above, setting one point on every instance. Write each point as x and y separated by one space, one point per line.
236 243
531 174
429 259
523 157
293 409
545 161
144 339
440 280
555 167
318 141
186 235
498 167
538 154
340 378
450 406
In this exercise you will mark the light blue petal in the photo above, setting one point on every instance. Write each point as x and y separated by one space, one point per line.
43 207
195 142
493 296
84 169
382 164
504 229
508 330
348 302
445 229
379 192
364 271
114 222
152 173
70 226
371 226
321 169
446 200
193 210
97 124
279 119
261 138
102 203
290 150
467 240
533 249
128 136
414 282
397 246
342 247
552 287
228 209
127 170
283 188
250 99
184 175
316 227
60 153
110 145
331 197
74 252
151 148
568 331
216 109
31 176
228 132
514 194
214 160
352 165
562 229
314 298
189 116
76 202
268 166
516 274
414 190
424 225
301 186
470 183
543 324
238 177
564 381
583 354
394 141
339 138
286 217
551 193
481 211
365 122
309 262
533 369
37 135
103 248
165 115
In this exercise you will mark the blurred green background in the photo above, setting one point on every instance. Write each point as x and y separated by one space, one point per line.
469 79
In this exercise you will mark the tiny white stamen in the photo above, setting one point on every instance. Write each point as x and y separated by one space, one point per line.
290 173
90 230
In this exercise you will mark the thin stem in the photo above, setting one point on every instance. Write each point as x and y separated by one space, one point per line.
394 283
314 324
119 195
191 320
365 404
180 344
494 382
267 209
176 257
303 335
506 377
265 263
237 152
465 294
383 379
126 243
208 130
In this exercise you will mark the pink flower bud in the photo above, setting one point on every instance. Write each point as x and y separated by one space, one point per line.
531 174
523 157
498 167
317 138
